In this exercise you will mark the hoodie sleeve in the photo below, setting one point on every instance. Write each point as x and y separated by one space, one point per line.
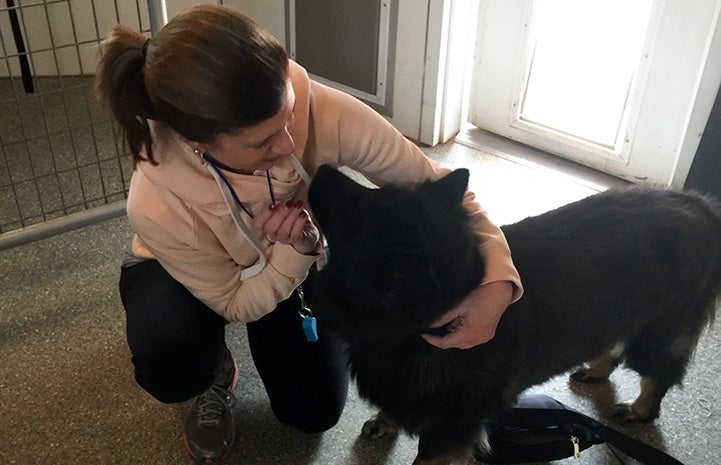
185 247
349 133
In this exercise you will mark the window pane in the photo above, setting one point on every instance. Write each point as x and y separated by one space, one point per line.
584 56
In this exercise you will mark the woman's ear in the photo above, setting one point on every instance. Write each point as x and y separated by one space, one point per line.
194 146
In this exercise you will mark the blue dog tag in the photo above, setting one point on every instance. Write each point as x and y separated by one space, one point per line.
310 328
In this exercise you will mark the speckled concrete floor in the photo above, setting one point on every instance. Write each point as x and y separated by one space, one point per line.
67 395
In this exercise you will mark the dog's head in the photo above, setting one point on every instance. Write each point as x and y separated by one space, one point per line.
398 258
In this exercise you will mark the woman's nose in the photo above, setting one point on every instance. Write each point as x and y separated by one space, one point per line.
284 144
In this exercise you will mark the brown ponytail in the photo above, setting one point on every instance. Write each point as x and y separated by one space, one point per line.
119 84
210 70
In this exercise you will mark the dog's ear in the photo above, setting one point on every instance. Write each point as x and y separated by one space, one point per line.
333 191
450 188
333 197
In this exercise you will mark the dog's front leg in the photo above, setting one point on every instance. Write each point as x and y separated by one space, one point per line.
378 426
447 446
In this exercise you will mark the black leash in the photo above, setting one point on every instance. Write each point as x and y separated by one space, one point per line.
549 417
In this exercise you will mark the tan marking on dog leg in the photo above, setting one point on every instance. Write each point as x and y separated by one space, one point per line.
598 369
378 426
484 442
644 408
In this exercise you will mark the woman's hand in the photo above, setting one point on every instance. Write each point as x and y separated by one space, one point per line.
474 321
290 224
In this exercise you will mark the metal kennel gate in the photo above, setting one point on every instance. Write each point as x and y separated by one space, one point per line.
62 163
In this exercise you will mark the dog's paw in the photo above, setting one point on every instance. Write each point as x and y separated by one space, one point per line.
586 375
627 413
379 426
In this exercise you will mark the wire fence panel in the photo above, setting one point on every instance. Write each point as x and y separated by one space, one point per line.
60 152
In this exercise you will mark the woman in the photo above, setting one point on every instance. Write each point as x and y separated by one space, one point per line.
225 132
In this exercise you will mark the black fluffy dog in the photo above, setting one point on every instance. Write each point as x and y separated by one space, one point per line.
627 275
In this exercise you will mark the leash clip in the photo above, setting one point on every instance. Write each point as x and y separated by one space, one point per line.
309 323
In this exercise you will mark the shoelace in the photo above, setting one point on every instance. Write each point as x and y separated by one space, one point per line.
212 404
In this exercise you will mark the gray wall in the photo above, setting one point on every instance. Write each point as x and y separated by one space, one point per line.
705 173
339 40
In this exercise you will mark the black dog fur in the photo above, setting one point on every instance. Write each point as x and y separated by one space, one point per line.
639 267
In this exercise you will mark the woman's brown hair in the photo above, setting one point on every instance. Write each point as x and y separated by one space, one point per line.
210 70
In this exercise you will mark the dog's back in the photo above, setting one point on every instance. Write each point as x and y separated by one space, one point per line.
631 274
640 267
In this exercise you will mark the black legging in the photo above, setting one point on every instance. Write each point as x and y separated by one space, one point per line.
177 344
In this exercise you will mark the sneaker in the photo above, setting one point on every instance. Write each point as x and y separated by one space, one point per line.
209 429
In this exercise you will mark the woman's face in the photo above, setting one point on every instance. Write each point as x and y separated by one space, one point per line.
257 147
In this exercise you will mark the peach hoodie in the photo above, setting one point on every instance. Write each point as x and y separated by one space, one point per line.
187 220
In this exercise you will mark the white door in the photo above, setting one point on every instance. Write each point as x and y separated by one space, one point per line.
616 85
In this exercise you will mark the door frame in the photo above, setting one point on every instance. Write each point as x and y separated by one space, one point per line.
667 150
